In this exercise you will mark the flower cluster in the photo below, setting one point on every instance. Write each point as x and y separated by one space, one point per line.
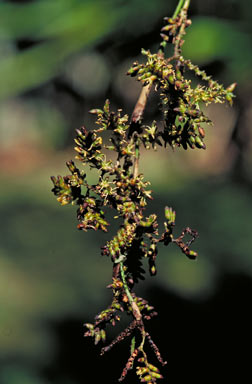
121 188
181 102
138 236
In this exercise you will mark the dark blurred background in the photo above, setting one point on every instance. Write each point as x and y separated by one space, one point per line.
59 59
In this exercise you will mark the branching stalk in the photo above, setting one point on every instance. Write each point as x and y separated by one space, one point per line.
121 188
136 119
135 310
177 10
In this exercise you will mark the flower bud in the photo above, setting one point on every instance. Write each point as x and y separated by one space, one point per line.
171 79
201 132
199 143
192 255
96 111
164 37
166 28
170 215
231 87
178 74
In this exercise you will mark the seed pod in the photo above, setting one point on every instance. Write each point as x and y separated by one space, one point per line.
81 134
178 74
192 255
193 126
171 79
144 52
170 215
96 111
166 28
199 143
103 335
89 326
145 76
192 146
231 87
156 375
193 112
153 270
117 306
191 139
179 84
133 71
201 132
153 368
163 44
97 338
141 370
141 70
141 360
229 98
164 37
169 20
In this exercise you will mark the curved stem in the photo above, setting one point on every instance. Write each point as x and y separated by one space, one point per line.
145 92
136 118
125 286
136 161
186 5
183 18
135 310
141 103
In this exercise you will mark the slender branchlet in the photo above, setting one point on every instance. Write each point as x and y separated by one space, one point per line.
121 187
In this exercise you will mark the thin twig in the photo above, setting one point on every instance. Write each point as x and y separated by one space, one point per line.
141 104
136 118
135 310
177 10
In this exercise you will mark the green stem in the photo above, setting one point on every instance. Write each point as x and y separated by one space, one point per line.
136 161
177 10
182 4
186 4
135 310
126 288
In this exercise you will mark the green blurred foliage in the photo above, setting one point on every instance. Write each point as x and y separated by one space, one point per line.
62 29
216 39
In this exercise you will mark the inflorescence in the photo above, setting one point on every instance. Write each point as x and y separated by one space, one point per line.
122 188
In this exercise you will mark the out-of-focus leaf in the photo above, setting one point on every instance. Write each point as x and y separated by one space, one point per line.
22 20
212 39
45 18
64 28
38 64
16 374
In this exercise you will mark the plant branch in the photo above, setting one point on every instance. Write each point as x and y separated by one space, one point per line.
145 92
136 161
182 4
141 104
177 10
138 235
135 310
136 118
